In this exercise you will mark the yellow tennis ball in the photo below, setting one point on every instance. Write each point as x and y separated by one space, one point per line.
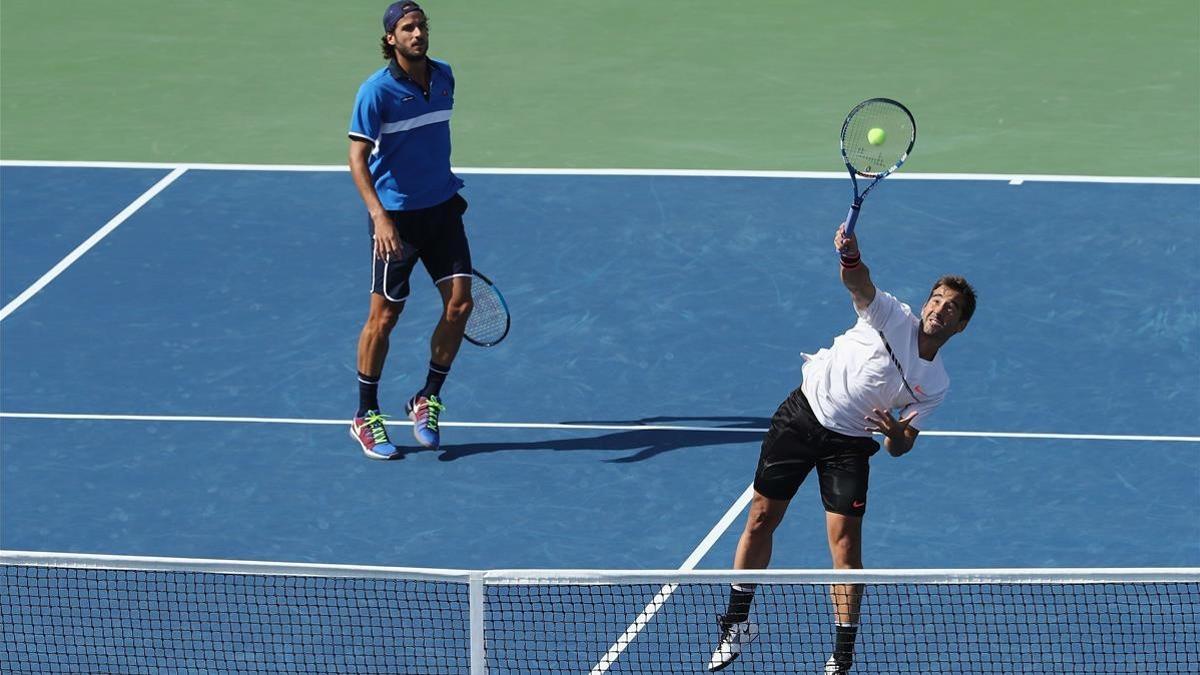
876 136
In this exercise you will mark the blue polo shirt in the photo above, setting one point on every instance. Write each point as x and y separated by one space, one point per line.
411 133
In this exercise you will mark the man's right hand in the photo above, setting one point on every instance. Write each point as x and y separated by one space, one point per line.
387 240
846 245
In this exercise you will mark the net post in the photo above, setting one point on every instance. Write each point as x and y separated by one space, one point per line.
476 598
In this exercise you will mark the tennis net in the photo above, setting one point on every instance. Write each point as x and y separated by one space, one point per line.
89 613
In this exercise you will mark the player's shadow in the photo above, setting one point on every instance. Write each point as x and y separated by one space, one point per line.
645 443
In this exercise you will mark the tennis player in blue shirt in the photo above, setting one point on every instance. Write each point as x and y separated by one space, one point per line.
400 162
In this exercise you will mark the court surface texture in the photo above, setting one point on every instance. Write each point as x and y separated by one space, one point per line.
178 369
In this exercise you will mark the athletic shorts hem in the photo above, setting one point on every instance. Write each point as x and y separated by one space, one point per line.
456 275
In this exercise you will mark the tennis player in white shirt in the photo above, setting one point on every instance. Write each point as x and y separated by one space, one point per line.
888 361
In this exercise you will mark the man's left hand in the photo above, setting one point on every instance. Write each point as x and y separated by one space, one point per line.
894 430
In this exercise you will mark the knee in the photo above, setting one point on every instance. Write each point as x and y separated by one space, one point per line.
383 319
457 311
761 523
846 552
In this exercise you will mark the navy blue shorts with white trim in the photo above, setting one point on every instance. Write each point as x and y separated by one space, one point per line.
435 236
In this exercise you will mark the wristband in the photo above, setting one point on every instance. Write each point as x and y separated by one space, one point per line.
850 261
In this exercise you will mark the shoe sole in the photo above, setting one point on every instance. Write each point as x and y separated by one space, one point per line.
370 453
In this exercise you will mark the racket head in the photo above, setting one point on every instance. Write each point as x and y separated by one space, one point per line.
900 134
489 321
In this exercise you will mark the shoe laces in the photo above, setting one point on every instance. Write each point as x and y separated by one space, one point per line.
375 424
433 408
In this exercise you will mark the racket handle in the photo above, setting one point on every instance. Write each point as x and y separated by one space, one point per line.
852 218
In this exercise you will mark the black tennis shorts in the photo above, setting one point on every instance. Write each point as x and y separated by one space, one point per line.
796 443
435 236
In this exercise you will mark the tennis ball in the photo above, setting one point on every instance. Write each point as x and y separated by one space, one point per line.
876 136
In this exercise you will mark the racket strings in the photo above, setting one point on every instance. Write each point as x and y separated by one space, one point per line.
899 131
489 318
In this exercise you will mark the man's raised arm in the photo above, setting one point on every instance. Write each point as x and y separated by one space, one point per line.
855 274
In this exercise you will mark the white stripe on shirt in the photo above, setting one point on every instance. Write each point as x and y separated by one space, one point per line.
418 121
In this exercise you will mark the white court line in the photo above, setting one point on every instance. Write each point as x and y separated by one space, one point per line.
1013 178
715 533
614 652
568 426
90 242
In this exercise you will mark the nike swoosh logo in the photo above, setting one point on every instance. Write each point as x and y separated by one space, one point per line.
858 505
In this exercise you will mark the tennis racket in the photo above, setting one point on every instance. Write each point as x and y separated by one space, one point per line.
489 320
875 160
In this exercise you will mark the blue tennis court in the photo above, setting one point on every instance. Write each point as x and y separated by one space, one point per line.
183 386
